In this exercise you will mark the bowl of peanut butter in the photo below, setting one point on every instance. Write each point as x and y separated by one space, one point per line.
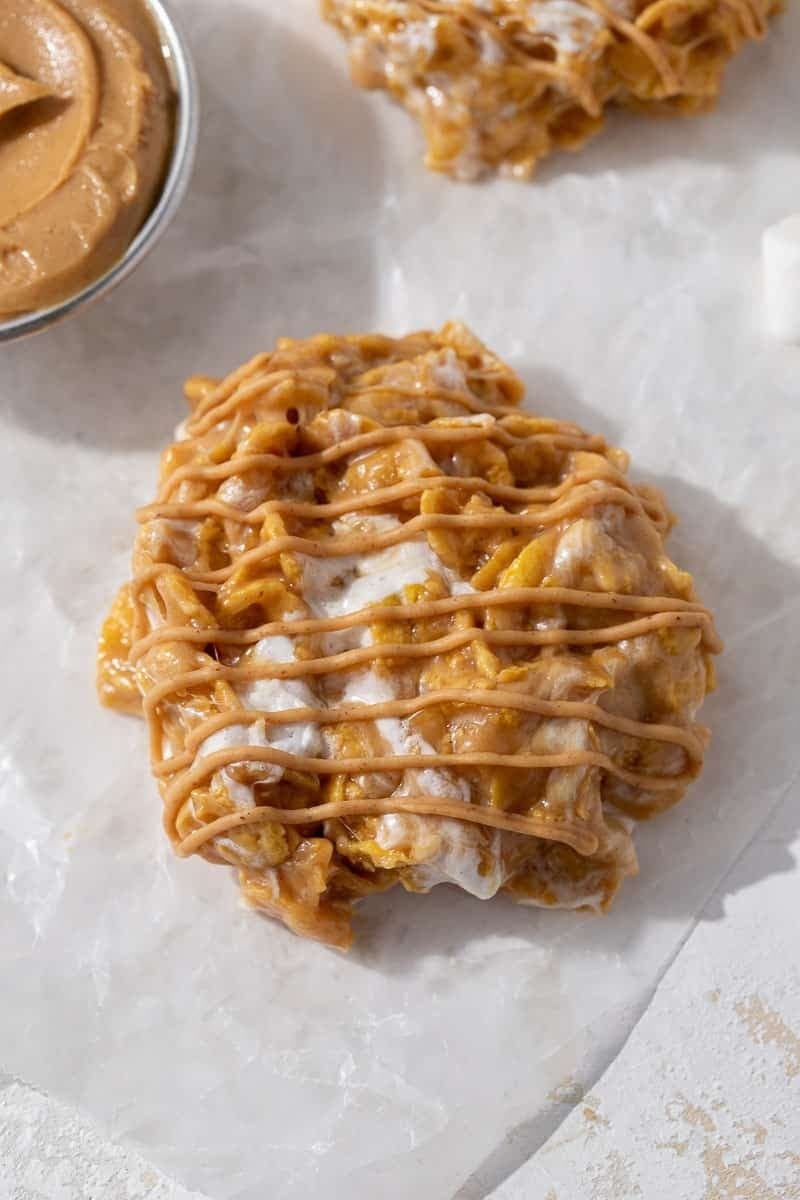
98 124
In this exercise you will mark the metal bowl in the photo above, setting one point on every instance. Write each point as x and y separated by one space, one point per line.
181 69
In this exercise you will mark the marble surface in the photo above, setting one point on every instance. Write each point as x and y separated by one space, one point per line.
49 1152
703 1101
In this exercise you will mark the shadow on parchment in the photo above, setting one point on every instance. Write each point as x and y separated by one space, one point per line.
274 238
548 394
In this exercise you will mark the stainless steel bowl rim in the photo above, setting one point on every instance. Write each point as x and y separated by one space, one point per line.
179 63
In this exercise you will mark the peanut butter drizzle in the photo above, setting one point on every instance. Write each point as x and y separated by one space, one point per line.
421 610
361 501
578 836
560 709
348 659
205 767
437 393
182 773
366 542
263 389
367 441
269 387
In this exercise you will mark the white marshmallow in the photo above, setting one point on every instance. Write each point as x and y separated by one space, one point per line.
780 251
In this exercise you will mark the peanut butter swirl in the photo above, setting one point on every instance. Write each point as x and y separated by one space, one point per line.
386 627
86 125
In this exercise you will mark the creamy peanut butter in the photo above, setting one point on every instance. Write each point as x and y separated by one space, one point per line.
85 131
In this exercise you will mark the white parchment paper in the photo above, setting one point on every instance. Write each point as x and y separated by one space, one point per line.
623 285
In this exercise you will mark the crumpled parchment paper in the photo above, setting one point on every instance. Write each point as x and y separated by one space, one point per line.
623 285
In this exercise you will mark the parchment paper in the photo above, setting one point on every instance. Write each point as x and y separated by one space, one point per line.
623 285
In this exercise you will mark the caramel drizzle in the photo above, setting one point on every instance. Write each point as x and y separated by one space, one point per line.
658 613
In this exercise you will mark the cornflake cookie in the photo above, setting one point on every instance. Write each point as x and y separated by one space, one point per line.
387 628
498 84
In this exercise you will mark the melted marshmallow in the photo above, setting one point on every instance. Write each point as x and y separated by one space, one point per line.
333 587
273 695
336 586
269 695
492 52
416 39
460 849
571 26
370 688
449 373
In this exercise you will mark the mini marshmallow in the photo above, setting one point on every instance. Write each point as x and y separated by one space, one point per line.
780 253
